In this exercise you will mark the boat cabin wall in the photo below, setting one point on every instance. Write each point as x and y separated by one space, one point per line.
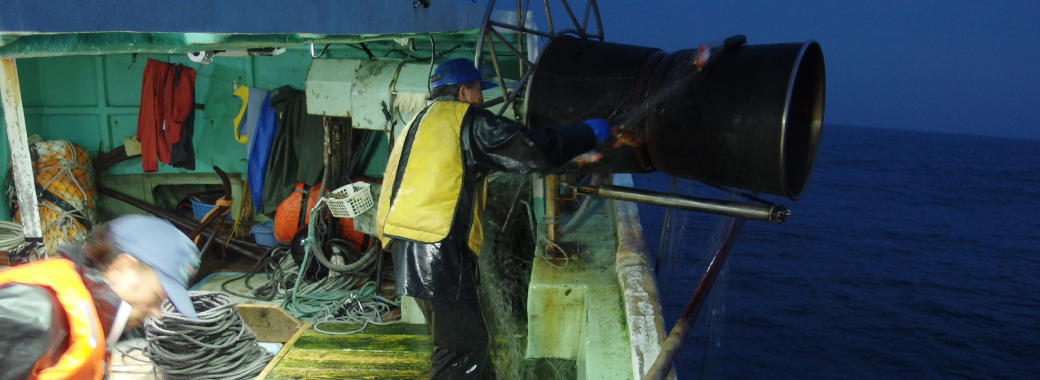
93 101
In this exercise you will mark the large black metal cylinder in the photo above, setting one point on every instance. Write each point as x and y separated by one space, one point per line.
747 117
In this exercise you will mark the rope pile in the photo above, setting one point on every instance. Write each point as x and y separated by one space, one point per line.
345 295
10 236
361 305
282 271
216 346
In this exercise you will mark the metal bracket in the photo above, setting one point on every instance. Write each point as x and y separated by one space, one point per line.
31 250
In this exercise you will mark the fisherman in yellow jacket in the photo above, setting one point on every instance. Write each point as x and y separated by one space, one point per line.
433 197
59 317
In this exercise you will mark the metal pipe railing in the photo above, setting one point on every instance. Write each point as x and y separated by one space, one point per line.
766 213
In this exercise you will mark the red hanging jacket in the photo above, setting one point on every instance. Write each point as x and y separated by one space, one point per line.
167 102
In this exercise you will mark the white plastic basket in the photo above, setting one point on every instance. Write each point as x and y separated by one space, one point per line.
350 200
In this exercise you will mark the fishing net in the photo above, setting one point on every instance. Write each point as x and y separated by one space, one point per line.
66 193
505 269
688 242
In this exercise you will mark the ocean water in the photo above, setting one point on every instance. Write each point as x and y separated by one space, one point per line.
912 255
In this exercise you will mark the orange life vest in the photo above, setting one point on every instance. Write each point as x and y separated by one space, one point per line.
85 357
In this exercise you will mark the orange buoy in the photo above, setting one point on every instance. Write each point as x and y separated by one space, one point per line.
292 215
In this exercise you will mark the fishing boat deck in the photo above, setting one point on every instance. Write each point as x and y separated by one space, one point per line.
577 312
396 352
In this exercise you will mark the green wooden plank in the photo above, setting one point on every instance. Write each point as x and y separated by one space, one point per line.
405 343
395 329
356 360
312 373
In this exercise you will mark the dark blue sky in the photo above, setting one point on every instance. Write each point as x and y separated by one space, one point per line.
956 66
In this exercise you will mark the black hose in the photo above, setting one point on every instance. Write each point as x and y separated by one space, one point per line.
351 253
267 292
355 267
359 151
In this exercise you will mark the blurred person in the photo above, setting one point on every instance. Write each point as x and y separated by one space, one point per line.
61 316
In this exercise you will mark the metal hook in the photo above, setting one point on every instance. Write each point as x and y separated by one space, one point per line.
323 50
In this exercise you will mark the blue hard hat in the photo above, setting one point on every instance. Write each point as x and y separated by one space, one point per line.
458 71
160 245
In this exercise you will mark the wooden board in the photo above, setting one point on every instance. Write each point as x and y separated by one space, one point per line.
270 323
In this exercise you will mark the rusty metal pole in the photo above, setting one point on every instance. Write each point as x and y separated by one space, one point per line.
21 163
552 214
663 365
236 245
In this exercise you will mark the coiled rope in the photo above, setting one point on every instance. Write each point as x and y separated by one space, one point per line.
281 273
10 235
216 346
346 295
361 305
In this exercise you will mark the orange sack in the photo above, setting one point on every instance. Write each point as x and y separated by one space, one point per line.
288 219
292 215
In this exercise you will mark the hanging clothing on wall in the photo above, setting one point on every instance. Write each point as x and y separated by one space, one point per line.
166 121
180 121
255 127
246 120
296 154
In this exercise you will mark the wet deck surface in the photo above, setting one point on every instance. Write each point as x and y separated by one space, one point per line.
124 368
399 351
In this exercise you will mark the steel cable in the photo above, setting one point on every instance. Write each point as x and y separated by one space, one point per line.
216 346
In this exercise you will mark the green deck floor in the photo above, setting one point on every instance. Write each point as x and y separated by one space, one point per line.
399 351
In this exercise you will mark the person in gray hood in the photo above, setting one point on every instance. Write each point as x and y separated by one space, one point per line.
60 316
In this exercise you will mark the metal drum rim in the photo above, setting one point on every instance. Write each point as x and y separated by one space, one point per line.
786 185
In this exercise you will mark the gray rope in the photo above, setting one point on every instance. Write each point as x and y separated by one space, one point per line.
216 346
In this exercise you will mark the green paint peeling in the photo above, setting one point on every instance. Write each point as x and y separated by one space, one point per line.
576 313
318 374
388 361
398 351
366 342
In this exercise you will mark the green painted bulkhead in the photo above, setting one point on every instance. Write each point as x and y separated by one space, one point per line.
93 101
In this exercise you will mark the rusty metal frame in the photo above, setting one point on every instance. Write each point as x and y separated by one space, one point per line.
487 31
488 35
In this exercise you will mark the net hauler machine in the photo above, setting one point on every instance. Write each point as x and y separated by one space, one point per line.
736 115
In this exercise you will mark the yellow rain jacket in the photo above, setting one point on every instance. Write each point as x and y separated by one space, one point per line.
434 188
